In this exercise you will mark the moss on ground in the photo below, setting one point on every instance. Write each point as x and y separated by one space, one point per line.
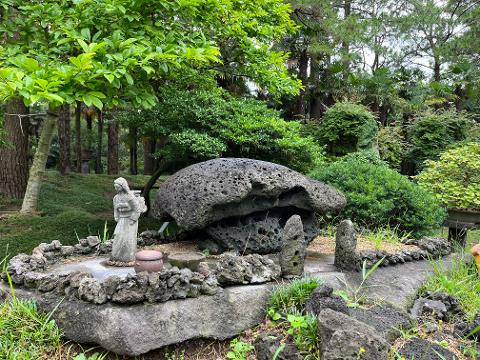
69 206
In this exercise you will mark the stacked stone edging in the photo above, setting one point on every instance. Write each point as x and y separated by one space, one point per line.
171 283
347 257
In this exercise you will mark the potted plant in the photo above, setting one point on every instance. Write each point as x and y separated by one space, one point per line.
455 181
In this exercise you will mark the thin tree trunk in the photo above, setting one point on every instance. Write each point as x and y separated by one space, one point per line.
347 9
113 166
14 156
436 70
64 138
302 74
133 150
37 169
98 157
148 160
78 135
162 167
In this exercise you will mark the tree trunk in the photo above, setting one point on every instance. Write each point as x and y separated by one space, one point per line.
78 135
347 9
113 166
436 70
37 169
300 105
98 157
162 167
64 138
133 150
14 156
148 160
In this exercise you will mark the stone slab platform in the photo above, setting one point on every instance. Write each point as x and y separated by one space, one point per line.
137 329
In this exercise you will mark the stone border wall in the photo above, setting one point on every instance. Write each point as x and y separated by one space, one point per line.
347 257
30 271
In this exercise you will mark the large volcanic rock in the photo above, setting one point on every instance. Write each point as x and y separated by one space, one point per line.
243 204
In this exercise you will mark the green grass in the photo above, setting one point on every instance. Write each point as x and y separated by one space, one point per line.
25 333
460 280
387 234
69 205
293 295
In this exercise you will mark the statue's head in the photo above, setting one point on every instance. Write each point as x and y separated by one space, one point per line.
121 185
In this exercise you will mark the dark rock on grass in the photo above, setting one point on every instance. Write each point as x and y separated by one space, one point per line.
292 255
427 307
451 303
467 330
217 189
420 349
345 338
268 345
322 298
385 318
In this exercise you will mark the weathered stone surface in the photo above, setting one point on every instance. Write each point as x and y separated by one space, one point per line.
292 255
396 285
137 329
249 269
204 193
435 247
451 303
345 246
21 264
425 350
385 319
427 307
343 338
91 290
258 233
322 298
186 260
267 346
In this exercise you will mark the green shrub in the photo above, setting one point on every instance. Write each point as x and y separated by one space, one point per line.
203 124
432 132
347 127
455 177
378 197
364 157
391 146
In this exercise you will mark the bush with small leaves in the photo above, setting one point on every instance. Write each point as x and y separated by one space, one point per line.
347 127
432 132
378 196
455 177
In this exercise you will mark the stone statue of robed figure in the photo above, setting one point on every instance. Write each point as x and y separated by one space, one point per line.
127 208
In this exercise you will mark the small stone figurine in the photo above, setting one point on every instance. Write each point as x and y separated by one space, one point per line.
127 208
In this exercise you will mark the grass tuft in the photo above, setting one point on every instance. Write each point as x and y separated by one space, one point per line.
294 295
461 280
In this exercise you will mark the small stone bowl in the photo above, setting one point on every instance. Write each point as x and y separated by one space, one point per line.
149 261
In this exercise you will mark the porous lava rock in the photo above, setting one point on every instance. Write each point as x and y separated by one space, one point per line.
417 348
243 204
322 298
343 337
385 318
249 269
292 255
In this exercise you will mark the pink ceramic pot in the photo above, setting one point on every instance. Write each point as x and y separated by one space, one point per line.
149 261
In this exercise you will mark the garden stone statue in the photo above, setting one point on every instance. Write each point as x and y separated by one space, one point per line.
127 208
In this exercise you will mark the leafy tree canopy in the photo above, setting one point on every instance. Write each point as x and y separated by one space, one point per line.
109 52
